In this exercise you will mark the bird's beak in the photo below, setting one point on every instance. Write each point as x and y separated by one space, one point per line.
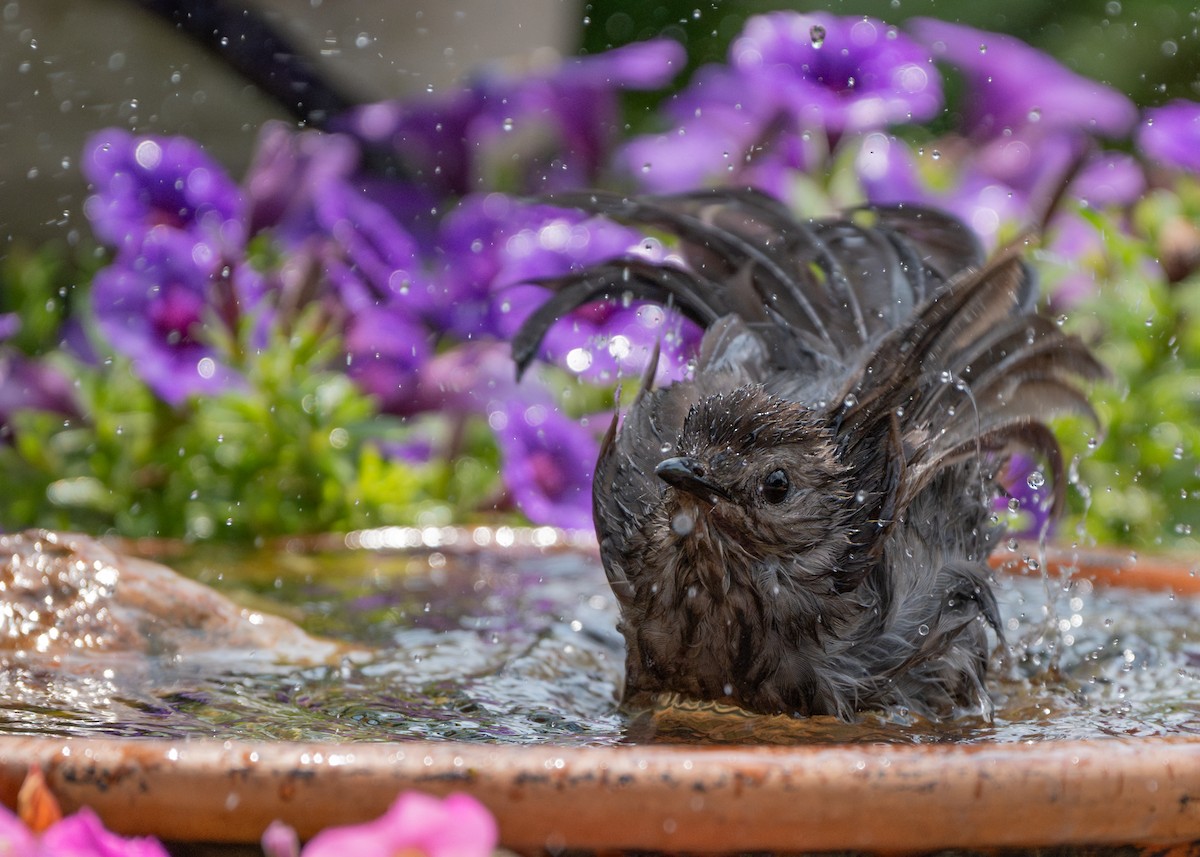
688 474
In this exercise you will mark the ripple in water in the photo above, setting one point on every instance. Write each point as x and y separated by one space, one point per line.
511 645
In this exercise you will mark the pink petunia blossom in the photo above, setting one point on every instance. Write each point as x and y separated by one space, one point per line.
418 824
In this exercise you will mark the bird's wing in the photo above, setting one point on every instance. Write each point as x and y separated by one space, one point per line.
816 290
972 375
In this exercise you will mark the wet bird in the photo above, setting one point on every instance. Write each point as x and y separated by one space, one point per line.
802 527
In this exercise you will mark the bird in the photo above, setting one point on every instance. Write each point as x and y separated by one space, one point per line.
802 526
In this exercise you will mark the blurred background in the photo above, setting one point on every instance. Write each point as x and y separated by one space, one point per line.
69 67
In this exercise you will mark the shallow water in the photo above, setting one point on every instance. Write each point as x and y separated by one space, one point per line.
518 645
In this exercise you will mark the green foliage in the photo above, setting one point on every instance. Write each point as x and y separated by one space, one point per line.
296 449
1139 480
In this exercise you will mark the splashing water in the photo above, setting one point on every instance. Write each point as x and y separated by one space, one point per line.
516 643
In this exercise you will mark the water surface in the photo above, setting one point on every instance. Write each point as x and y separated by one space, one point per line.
507 643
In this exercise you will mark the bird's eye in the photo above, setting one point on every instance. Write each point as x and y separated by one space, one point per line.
775 486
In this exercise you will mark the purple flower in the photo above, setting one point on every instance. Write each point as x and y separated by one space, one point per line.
547 458
152 307
28 384
794 84
728 130
1012 85
378 248
31 385
1076 245
547 461
289 172
144 182
417 824
1029 493
1004 181
890 174
839 73
1170 135
386 349
495 246
1110 178
532 132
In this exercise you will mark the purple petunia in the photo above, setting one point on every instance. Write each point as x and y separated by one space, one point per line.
546 461
31 385
547 130
793 85
1013 85
386 349
1028 493
1170 135
288 175
383 253
891 174
1005 181
546 457
141 183
496 248
842 74
152 307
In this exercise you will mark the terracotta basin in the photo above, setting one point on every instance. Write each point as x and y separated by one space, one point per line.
655 797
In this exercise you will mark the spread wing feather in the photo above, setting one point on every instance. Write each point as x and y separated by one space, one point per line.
920 338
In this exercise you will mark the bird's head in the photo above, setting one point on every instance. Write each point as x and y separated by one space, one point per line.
756 477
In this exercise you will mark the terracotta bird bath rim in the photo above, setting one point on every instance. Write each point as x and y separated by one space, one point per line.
702 799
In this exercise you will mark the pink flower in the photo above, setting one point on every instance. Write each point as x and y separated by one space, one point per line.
78 835
418 824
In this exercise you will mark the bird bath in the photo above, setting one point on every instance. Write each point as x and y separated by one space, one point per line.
486 660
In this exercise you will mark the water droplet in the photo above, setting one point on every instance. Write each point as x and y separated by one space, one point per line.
850 401
817 35
923 630
683 524
1036 480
